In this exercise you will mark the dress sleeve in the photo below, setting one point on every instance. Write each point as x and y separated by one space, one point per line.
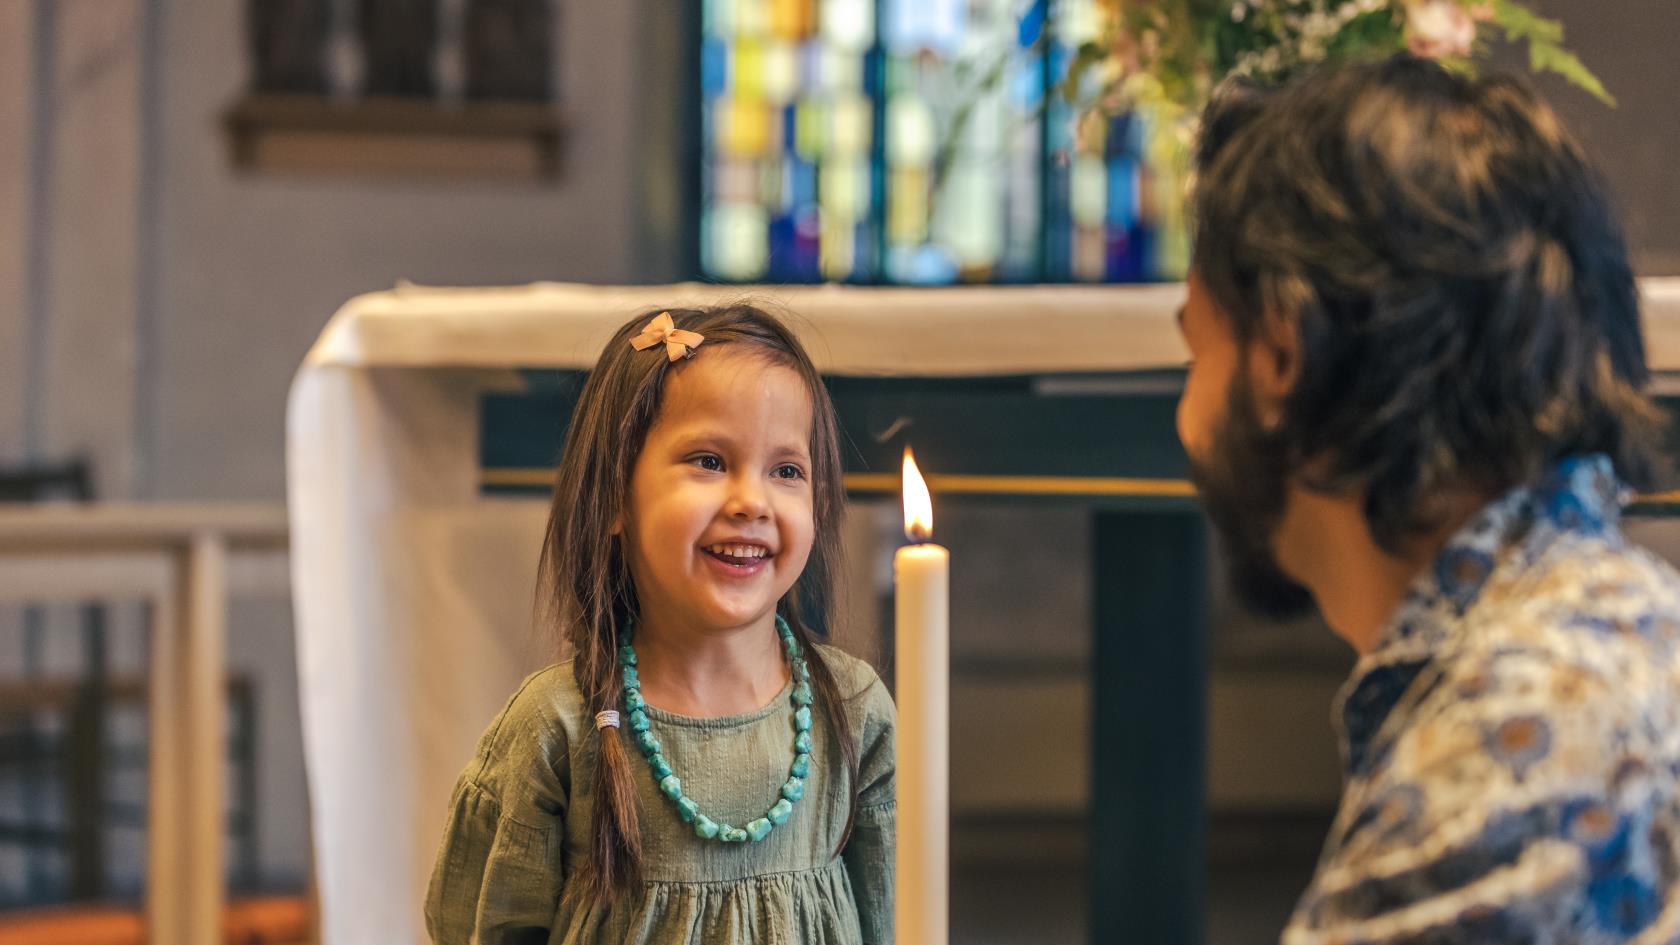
499 869
496 879
869 852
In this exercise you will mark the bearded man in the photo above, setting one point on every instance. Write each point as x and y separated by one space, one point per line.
1418 400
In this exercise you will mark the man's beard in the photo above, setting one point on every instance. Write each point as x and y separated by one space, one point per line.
1244 488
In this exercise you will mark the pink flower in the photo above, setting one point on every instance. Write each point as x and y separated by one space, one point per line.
1437 28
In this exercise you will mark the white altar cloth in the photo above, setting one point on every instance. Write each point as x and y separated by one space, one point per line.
413 592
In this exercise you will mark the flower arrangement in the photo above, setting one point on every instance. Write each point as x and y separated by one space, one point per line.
1158 62
1173 52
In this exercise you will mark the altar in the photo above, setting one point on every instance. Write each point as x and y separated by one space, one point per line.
420 435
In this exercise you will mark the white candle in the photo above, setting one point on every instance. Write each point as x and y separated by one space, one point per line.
921 572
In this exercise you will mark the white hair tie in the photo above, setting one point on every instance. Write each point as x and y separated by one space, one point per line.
607 719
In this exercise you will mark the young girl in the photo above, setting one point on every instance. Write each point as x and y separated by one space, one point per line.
700 771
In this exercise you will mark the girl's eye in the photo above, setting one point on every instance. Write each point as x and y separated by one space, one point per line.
708 462
789 471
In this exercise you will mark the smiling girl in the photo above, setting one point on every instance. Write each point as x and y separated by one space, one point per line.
700 770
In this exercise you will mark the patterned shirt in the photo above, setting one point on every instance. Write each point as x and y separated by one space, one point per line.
1513 742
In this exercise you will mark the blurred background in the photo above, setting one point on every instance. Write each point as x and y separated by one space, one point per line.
190 188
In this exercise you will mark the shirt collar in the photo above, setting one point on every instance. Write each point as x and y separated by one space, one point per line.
1579 495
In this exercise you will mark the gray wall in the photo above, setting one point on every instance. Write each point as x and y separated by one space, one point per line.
132 255
1630 45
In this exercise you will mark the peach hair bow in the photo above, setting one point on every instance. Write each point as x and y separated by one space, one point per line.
679 344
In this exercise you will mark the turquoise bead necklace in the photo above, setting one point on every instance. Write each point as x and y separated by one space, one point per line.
670 785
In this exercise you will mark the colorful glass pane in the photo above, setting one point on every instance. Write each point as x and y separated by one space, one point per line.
913 141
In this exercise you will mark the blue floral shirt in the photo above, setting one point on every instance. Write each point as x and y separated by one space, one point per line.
1512 745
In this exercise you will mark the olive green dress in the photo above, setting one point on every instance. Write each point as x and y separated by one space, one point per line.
519 822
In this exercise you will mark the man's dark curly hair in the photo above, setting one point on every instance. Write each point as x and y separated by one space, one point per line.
1460 284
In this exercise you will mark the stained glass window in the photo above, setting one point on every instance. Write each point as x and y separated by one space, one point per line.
918 142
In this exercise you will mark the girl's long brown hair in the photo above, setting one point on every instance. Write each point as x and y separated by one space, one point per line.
587 584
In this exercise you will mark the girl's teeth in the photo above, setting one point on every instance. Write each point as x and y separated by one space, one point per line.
738 551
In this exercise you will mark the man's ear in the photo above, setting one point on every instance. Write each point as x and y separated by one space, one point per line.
1274 366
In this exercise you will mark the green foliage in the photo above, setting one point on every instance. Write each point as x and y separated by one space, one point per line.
1545 47
1369 35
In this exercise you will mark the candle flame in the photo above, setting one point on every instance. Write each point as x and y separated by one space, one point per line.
918 504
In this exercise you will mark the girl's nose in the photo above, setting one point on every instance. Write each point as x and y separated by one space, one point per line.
747 501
